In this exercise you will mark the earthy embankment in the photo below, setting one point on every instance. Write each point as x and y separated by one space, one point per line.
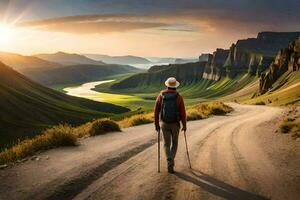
238 156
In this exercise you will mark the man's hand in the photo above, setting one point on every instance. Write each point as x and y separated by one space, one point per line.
184 129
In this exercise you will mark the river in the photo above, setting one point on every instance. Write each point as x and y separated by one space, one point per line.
86 91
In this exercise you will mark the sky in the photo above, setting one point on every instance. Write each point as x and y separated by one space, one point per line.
165 28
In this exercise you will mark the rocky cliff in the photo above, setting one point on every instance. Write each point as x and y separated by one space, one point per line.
287 59
253 55
214 69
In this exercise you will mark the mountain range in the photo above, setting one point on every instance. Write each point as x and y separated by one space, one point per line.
54 69
122 60
249 56
68 59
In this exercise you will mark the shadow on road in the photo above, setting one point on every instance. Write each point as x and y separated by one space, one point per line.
217 187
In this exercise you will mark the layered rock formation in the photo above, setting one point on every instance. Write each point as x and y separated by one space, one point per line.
287 59
254 55
214 69
204 57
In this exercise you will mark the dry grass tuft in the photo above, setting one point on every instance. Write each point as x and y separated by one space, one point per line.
103 126
137 120
58 136
204 110
260 103
290 126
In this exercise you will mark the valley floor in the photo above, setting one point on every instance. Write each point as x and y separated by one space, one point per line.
238 156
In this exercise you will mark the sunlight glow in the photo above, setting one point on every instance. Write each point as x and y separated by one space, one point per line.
6 33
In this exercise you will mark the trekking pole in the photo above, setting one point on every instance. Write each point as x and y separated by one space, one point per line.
187 149
158 151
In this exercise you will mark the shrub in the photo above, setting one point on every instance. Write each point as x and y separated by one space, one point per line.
290 126
103 126
286 127
260 103
203 110
218 108
58 136
194 115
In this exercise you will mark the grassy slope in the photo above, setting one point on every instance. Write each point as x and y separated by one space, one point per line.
27 107
286 91
194 92
241 88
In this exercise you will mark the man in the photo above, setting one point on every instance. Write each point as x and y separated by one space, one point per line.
169 107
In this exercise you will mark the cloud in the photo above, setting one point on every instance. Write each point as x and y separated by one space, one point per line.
204 16
91 24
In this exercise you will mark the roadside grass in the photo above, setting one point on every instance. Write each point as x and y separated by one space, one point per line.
136 120
61 135
66 135
290 126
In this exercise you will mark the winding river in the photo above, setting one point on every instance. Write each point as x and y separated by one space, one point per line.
86 91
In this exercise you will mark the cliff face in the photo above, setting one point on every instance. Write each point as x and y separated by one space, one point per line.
214 69
287 59
204 57
254 55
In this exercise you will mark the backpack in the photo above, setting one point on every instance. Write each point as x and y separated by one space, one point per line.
169 111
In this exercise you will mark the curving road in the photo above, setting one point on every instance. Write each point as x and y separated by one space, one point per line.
231 159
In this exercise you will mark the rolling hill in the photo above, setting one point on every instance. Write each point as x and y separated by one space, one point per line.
73 74
68 59
186 73
23 63
122 60
27 107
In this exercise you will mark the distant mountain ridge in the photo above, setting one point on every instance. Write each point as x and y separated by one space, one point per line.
184 60
122 60
72 74
23 63
68 59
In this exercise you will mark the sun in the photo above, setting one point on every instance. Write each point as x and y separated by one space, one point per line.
6 33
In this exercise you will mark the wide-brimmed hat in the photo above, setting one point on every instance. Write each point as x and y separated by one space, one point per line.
172 82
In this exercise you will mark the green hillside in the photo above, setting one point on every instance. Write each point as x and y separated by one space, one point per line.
27 107
77 73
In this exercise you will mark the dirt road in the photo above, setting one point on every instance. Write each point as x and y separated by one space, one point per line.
237 156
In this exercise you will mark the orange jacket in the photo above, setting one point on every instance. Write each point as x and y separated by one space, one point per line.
180 104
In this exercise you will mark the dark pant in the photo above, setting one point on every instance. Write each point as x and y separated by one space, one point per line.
170 133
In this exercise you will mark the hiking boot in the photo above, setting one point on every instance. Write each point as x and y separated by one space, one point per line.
171 169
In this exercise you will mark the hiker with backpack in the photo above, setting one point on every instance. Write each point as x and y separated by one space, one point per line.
170 109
